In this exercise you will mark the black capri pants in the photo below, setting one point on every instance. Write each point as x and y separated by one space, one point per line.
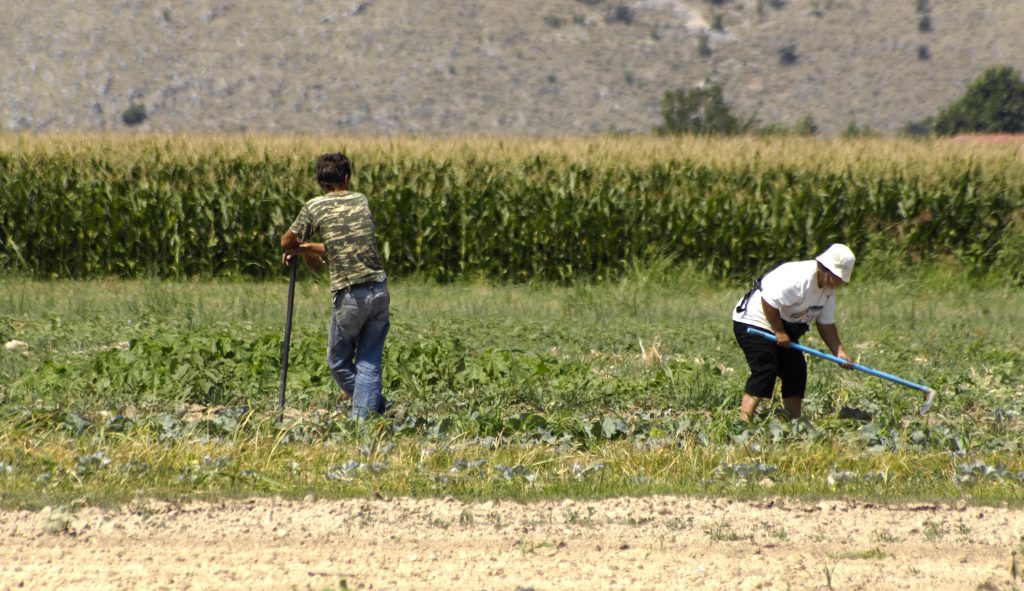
768 361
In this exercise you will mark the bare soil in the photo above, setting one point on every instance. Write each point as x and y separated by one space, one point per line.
622 543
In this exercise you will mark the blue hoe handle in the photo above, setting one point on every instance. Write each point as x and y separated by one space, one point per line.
841 361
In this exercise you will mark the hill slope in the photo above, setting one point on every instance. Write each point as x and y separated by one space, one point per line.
489 66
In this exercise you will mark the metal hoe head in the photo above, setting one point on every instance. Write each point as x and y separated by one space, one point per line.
929 398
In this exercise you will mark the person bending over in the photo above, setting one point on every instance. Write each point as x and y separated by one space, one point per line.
785 302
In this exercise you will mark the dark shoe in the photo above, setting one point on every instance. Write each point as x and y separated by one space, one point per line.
395 412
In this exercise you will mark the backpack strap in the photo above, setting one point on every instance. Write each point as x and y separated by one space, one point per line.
742 307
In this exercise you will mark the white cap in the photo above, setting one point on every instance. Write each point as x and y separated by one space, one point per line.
838 259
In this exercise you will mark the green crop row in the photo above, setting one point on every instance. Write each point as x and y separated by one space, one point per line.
169 207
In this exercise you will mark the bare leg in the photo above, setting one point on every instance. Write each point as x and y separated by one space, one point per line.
748 407
793 405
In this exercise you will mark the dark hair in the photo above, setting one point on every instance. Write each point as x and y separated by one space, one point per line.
333 169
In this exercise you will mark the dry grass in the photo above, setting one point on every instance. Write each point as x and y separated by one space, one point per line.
530 66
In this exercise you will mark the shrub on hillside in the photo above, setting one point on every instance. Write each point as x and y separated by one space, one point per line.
994 103
134 114
704 46
806 126
620 14
787 55
854 130
698 110
919 128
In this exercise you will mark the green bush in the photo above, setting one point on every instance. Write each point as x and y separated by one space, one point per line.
994 103
698 110
806 126
853 130
920 128
134 114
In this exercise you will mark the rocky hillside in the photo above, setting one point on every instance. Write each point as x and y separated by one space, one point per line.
488 66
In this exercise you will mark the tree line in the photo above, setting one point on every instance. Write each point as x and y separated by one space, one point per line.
993 103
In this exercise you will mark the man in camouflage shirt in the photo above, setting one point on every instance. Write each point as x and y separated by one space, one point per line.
360 318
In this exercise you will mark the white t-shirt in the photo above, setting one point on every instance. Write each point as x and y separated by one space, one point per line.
793 289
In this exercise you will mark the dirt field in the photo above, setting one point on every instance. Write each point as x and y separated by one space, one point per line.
627 543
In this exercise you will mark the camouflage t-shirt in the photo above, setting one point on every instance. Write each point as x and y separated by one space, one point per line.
345 224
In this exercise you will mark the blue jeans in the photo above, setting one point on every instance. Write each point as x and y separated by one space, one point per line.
355 344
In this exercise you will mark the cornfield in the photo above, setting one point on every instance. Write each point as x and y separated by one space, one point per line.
506 209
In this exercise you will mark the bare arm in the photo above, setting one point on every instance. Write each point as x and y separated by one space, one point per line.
775 320
830 334
312 252
289 240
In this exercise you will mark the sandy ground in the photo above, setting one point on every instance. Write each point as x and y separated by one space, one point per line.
624 543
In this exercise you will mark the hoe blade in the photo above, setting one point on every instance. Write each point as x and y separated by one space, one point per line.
929 398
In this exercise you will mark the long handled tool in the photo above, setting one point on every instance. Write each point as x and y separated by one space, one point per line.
929 394
287 337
